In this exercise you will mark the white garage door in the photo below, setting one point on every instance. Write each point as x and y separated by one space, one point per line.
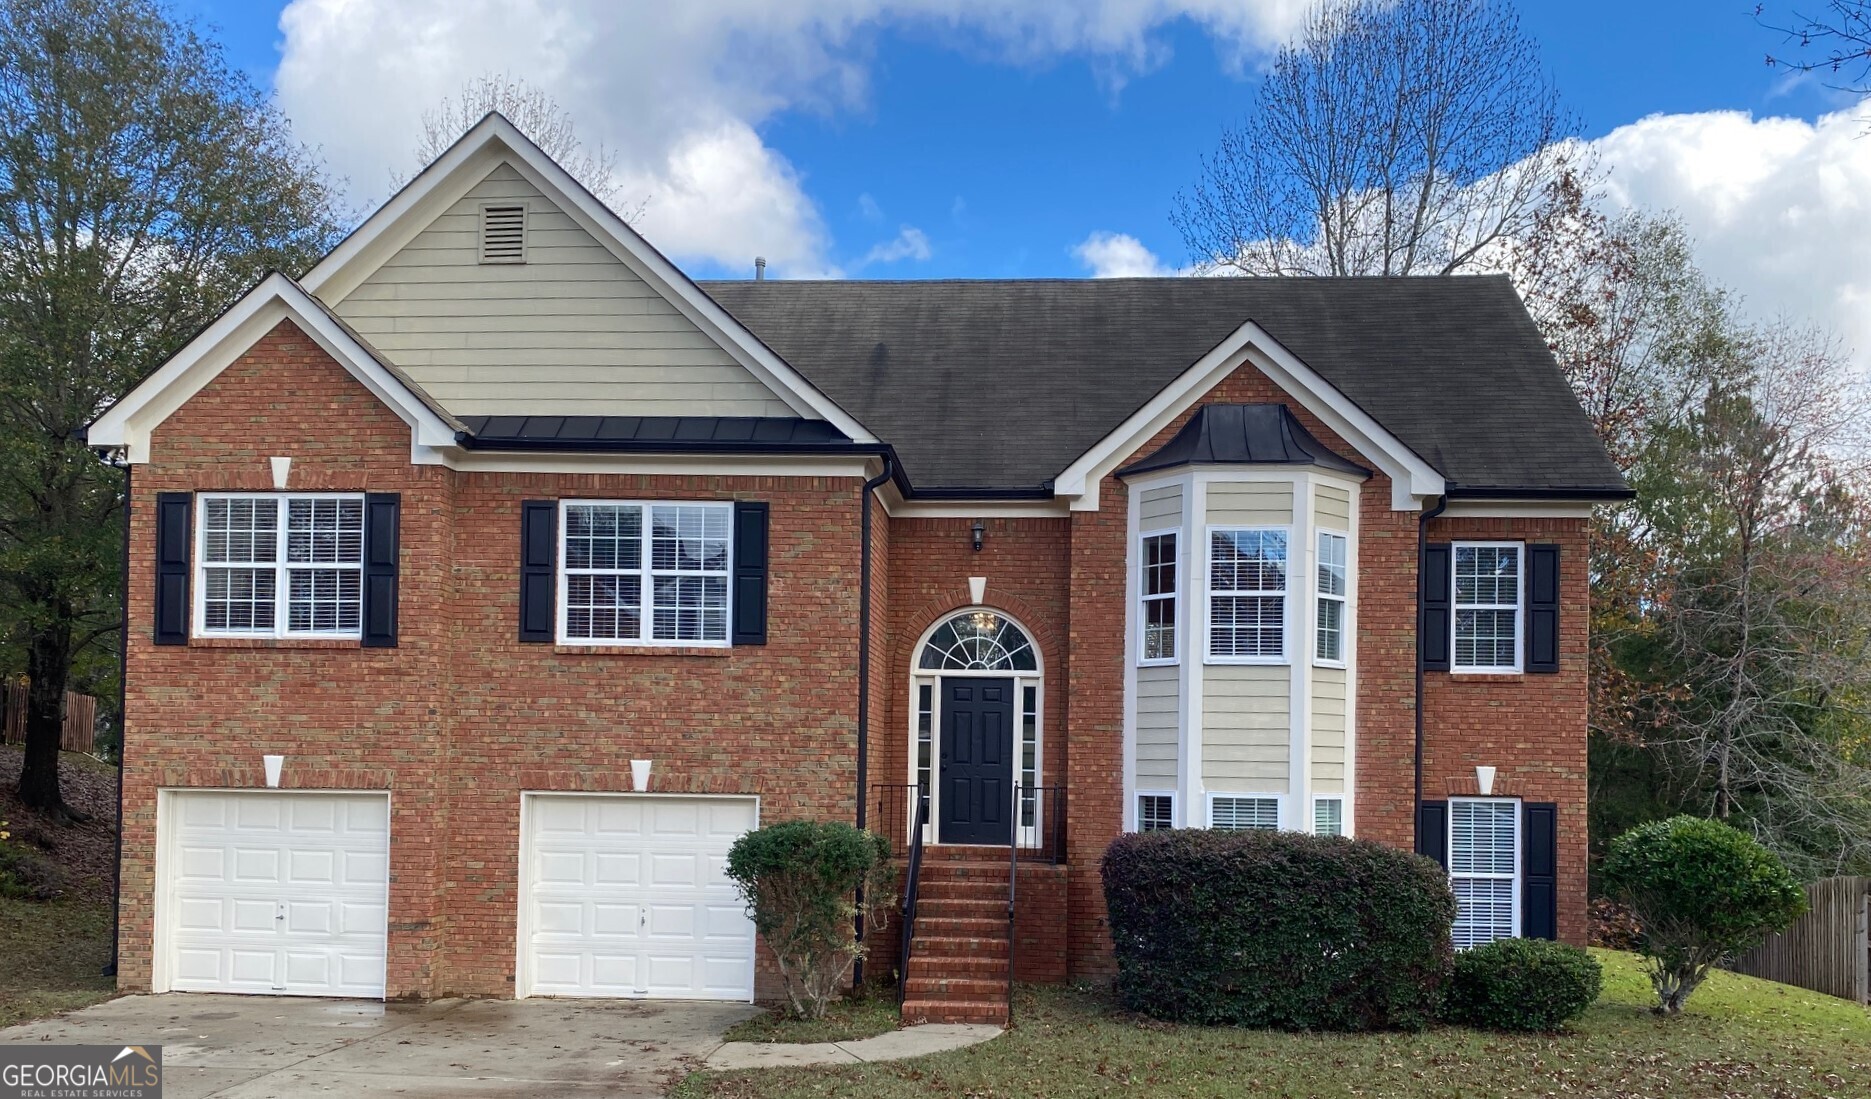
275 893
627 896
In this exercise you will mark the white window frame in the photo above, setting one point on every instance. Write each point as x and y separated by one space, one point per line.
1320 597
1210 594
1173 598
1279 807
282 569
1519 873
1344 816
646 625
1136 808
1519 607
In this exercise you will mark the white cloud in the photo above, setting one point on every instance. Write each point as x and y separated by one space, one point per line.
868 208
910 243
1119 256
679 90
1780 208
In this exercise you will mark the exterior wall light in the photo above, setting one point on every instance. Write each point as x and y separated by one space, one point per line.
979 530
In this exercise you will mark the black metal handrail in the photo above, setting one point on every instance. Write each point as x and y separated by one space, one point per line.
1013 891
911 879
1043 840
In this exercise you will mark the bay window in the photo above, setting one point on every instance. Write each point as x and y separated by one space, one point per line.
1247 595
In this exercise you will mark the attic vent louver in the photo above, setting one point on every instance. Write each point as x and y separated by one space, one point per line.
503 233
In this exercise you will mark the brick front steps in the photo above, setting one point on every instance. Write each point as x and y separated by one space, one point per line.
958 958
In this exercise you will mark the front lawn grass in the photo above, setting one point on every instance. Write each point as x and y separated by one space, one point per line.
865 1015
52 957
1738 1037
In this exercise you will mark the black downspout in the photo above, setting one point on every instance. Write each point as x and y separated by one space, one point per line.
123 731
864 675
1422 548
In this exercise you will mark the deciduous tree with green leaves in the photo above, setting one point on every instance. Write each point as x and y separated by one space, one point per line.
144 185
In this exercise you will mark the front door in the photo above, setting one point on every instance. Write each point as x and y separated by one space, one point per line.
977 762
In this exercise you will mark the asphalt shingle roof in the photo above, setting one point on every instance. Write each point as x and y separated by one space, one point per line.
1003 383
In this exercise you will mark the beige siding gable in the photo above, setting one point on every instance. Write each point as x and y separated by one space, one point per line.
572 331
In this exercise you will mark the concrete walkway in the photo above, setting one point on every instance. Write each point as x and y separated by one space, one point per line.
915 1041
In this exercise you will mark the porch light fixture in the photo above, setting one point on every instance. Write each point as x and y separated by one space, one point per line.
1484 780
979 530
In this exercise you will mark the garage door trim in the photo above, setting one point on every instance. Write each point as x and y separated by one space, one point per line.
523 931
168 836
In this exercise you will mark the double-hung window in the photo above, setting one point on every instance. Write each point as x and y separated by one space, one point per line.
1247 595
644 573
1488 615
1156 812
1484 869
280 565
1329 647
1159 598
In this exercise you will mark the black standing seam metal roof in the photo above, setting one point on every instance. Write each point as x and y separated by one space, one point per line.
1004 383
598 432
1240 434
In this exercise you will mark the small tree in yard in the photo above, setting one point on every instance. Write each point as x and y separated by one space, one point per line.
802 881
1702 890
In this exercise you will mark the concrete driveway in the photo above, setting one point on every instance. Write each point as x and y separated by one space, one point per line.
258 1047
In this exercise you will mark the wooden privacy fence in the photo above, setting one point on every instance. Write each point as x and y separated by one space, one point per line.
1828 949
80 717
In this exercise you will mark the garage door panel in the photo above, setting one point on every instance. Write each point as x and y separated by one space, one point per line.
278 893
655 916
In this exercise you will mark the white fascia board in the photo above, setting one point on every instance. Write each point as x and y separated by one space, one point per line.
468 161
129 422
1518 509
897 507
1412 479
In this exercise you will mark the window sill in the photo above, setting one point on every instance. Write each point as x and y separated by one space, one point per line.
645 650
1487 677
274 643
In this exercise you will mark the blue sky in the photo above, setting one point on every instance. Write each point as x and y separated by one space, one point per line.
917 139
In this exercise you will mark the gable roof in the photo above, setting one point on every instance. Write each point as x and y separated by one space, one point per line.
1005 383
494 140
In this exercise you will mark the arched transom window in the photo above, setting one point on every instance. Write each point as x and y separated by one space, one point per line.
978 641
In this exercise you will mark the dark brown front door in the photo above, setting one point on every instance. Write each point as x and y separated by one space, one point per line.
977 761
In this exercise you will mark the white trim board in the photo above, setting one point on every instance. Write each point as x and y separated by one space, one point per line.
129 423
494 140
1412 478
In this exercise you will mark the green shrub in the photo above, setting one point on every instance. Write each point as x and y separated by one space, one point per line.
1521 984
1277 929
1700 891
801 880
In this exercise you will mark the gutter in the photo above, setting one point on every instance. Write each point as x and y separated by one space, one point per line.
864 671
1542 492
1422 548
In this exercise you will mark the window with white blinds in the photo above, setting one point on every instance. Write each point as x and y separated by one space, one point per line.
1155 812
1484 869
279 565
1228 813
1247 595
1328 816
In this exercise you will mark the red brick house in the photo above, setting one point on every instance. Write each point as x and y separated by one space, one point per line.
437 549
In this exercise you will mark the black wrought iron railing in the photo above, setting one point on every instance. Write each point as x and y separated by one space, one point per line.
892 809
1039 823
912 878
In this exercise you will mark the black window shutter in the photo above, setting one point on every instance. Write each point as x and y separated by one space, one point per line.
1543 608
1539 870
173 532
1435 622
1432 831
539 558
750 573
382 518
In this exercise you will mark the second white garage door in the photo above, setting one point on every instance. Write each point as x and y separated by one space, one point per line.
626 895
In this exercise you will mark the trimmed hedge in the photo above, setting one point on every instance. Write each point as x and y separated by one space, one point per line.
1521 984
1277 929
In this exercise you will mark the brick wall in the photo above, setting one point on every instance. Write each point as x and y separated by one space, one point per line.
461 717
